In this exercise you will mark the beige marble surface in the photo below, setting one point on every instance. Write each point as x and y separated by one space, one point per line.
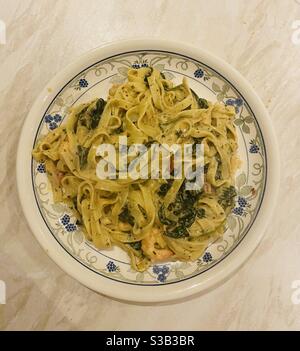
255 37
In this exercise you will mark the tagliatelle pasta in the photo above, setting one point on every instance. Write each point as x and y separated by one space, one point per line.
151 219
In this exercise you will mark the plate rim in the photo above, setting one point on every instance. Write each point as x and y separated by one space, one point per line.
181 289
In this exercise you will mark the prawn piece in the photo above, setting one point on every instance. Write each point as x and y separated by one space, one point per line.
155 247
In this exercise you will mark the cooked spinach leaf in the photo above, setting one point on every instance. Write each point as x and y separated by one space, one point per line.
96 113
82 154
177 232
188 217
136 245
184 209
164 188
200 212
162 217
126 217
82 113
202 103
226 199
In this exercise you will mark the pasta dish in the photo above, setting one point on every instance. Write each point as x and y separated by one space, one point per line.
153 220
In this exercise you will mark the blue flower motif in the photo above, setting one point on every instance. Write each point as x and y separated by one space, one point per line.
52 125
239 102
161 277
57 118
242 201
165 269
230 102
137 65
161 272
48 118
254 149
207 257
70 227
41 168
111 266
238 211
199 73
83 83
65 219
156 269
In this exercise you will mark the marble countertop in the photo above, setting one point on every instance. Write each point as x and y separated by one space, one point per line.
256 37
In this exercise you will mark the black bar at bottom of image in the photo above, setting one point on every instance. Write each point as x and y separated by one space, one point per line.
144 340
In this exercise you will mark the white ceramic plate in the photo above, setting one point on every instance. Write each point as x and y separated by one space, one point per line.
109 271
